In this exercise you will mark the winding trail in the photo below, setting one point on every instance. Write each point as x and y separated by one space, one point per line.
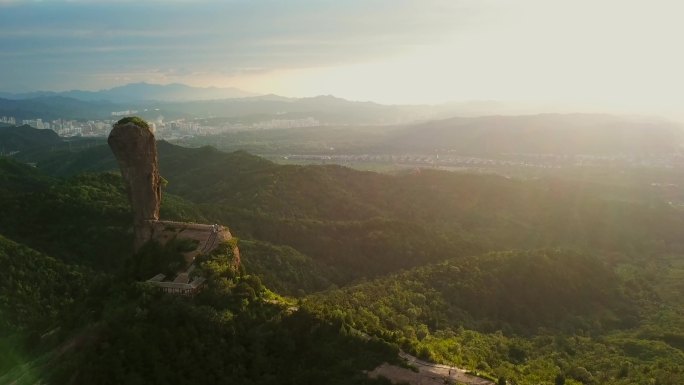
429 373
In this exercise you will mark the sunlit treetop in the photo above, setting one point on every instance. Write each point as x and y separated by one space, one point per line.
135 120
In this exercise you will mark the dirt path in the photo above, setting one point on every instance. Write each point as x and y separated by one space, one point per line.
428 373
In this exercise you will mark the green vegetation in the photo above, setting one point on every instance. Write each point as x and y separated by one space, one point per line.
547 281
154 258
64 324
36 294
24 138
366 224
135 120
16 177
531 317
284 269
85 219
496 291
35 288
231 332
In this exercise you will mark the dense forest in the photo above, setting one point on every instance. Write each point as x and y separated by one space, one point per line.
543 281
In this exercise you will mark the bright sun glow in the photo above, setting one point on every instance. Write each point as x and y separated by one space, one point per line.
601 55
612 54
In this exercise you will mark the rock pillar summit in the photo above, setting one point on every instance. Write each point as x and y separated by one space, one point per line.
133 144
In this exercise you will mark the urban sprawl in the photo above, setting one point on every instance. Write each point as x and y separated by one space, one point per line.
174 129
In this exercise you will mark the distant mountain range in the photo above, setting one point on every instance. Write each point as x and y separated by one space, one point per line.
558 134
182 101
136 92
57 107
327 109
466 127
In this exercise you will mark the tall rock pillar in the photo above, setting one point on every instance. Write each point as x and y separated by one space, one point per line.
133 144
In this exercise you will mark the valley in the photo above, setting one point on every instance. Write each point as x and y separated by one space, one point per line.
526 279
306 192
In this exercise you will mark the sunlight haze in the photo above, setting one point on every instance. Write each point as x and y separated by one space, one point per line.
341 192
581 55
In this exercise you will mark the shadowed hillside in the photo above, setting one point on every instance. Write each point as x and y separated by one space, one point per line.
375 223
312 229
542 134
19 138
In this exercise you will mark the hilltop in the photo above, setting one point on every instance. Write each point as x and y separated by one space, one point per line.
19 138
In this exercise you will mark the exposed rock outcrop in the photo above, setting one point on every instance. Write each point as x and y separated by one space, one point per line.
135 149
134 146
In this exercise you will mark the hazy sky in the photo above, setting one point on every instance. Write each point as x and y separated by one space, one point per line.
584 53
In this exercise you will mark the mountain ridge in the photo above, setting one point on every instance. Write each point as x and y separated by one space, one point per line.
141 91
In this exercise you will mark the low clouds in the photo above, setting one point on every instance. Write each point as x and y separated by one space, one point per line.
57 45
610 55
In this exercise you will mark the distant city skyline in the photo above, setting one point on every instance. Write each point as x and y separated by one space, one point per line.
606 55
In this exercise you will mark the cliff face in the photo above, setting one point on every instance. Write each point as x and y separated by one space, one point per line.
135 149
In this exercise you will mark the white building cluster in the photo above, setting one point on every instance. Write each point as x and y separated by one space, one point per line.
64 127
286 123
124 113
8 120
163 129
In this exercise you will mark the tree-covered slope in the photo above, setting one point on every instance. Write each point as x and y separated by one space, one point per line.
607 313
36 293
19 177
83 219
367 224
65 324
34 288
531 317
515 291
19 138
110 329
284 269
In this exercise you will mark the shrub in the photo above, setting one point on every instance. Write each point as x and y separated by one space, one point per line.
135 120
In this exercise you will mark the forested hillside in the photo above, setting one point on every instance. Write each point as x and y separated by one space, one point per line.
366 224
58 313
530 317
36 293
24 137
529 280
